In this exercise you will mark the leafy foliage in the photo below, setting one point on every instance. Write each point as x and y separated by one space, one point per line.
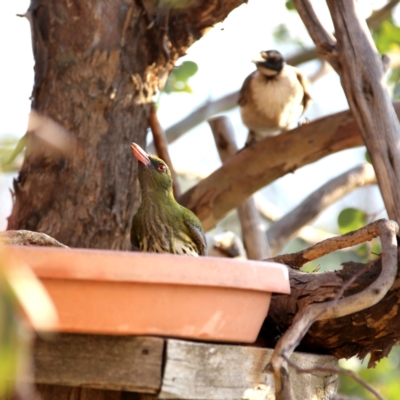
368 157
387 40
384 378
351 219
10 150
290 5
9 336
387 37
178 79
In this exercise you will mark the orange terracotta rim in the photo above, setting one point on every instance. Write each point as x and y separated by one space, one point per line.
120 266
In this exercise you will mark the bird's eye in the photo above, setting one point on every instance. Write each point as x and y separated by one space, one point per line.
161 168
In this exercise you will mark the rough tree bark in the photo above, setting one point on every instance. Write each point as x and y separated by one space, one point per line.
97 68
373 330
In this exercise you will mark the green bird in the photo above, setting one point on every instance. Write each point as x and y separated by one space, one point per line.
162 225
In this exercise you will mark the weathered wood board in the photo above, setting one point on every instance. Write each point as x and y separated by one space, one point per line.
95 361
196 371
75 367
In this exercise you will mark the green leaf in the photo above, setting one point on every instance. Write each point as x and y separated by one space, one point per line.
396 92
290 5
10 151
281 33
368 157
387 37
363 250
186 70
9 336
351 219
178 79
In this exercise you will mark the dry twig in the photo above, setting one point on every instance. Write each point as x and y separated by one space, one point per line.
336 308
341 371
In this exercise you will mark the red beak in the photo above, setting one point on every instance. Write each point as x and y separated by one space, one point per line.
140 154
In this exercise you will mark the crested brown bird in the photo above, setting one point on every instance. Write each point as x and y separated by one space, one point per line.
273 97
162 225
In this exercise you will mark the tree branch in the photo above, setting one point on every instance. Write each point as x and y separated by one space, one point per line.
325 41
375 19
253 230
368 100
329 370
337 308
250 169
229 101
362 73
281 231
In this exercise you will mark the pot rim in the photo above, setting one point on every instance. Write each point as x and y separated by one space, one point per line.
137 267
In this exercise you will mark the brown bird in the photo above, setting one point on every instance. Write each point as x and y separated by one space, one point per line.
272 97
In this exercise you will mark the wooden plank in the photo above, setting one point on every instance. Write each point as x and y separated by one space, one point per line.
102 362
196 371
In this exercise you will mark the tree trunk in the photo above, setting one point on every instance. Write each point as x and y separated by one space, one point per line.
97 67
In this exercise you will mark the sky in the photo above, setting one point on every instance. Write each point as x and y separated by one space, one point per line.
224 58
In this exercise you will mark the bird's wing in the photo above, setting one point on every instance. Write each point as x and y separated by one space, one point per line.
306 101
196 232
244 93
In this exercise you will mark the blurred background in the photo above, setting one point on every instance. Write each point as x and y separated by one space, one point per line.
214 67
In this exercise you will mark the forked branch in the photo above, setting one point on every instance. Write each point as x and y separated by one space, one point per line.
338 307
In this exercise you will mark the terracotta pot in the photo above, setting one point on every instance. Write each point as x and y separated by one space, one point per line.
109 292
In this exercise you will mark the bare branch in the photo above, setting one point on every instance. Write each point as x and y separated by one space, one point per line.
331 370
253 230
383 13
250 169
325 42
278 364
386 230
268 210
324 69
162 148
362 73
336 308
229 101
200 115
281 231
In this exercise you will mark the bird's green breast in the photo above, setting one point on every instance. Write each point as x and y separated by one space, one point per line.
161 229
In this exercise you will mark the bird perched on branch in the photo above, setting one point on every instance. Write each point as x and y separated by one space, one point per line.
272 97
161 225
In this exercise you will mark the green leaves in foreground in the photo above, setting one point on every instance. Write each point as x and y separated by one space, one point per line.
351 219
10 340
178 79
